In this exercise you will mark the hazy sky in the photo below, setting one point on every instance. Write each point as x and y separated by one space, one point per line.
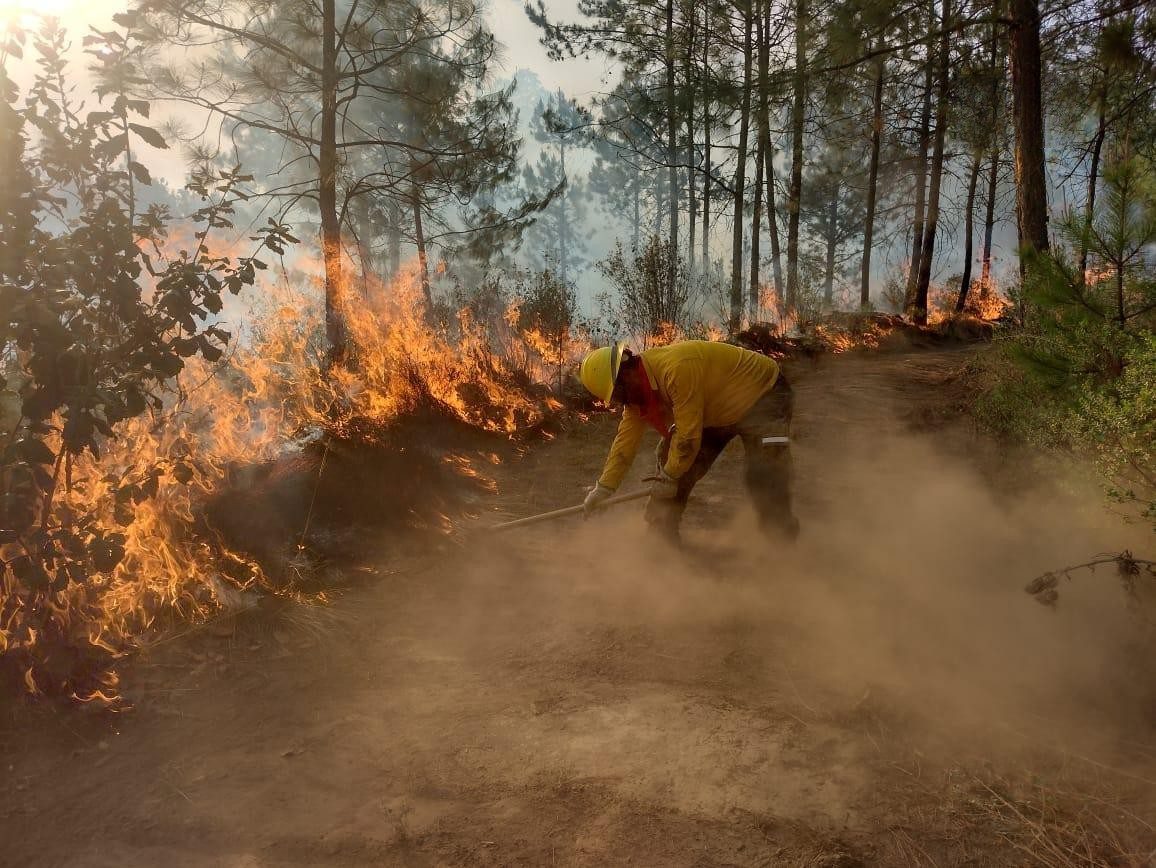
580 78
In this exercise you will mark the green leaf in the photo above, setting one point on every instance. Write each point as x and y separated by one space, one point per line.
211 353
150 135
35 451
106 550
186 347
140 172
134 402
30 572
111 147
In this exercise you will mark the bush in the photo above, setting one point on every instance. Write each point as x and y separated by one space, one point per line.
649 301
97 324
1080 375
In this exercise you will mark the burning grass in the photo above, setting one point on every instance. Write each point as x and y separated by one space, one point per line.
251 460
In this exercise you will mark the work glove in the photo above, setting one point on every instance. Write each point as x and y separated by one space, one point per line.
663 486
595 498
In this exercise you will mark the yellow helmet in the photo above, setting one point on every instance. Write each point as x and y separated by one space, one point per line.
599 370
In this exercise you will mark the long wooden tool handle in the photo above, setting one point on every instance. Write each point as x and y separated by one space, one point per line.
569 510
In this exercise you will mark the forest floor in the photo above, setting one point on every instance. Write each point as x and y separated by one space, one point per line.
882 693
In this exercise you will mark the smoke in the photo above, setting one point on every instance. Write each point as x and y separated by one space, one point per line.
902 600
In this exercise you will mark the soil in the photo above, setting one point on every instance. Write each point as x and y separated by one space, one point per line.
881 693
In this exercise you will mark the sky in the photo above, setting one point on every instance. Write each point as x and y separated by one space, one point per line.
579 78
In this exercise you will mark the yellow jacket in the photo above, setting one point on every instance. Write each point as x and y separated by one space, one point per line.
702 384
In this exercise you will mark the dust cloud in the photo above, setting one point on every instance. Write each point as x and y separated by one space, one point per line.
900 613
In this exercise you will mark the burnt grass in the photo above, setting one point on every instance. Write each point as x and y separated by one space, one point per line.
350 495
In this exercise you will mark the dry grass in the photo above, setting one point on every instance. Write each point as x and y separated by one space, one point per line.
1062 829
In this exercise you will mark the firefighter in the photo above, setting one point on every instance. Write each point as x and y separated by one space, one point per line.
698 395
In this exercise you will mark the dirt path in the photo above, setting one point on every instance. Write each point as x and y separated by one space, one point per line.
884 693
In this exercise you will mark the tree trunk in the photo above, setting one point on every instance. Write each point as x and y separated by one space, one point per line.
764 52
419 238
691 169
756 232
365 258
327 188
636 220
671 145
740 178
968 232
993 173
921 172
394 248
1027 105
1093 177
932 221
773 223
832 244
563 218
795 194
872 185
706 134
989 224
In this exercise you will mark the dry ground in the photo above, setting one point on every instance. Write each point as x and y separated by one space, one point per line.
882 694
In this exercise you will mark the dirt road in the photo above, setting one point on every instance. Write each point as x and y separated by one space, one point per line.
882 694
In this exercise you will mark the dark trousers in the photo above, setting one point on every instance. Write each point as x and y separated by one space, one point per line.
768 466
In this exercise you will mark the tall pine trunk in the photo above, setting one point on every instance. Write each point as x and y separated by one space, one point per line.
932 222
707 132
419 239
1093 175
636 217
1027 106
756 233
968 232
563 218
691 169
921 170
671 146
762 26
832 245
394 248
872 184
989 223
993 172
795 194
327 188
736 316
773 222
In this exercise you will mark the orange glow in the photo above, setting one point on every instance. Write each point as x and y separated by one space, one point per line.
266 398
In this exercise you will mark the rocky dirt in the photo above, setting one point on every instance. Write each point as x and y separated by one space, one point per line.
883 693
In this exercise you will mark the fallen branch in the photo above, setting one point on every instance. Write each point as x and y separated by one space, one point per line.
1128 569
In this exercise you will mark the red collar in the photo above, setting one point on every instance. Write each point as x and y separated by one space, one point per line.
652 409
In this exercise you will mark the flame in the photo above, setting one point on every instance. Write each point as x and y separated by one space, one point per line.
984 302
538 355
268 397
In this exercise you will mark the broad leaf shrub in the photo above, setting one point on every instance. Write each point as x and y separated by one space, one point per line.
96 325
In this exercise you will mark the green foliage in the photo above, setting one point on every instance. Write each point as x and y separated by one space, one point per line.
649 302
548 307
96 326
1081 375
